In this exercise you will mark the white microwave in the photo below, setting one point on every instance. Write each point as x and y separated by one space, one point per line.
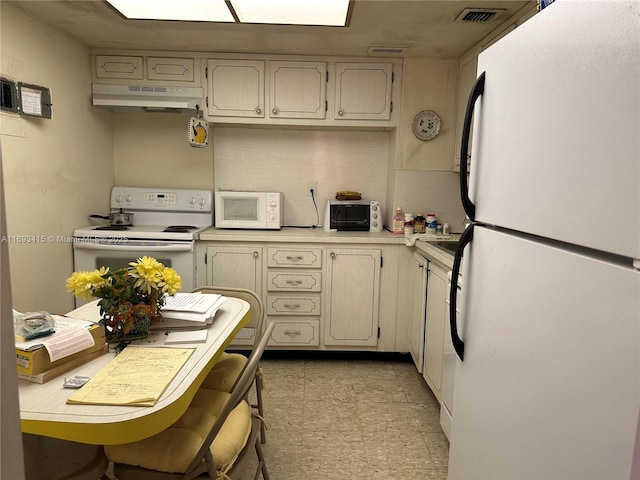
259 210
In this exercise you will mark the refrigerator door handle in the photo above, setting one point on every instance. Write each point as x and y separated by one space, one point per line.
465 239
476 91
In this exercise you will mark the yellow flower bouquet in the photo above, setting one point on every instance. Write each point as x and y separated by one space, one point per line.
130 297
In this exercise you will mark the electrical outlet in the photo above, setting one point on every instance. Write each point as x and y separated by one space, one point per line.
312 186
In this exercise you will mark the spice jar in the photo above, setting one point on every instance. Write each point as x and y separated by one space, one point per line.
419 224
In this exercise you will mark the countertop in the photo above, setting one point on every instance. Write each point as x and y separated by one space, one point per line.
425 244
302 235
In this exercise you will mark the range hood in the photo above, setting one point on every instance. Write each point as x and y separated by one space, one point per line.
149 98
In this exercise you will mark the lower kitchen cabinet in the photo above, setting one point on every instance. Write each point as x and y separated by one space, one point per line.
236 267
297 333
352 296
435 327
418 309
321 296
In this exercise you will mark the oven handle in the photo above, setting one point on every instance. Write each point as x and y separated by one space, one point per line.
123 247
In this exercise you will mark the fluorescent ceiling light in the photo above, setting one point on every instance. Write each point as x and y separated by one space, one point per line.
293 12
287 12
190 10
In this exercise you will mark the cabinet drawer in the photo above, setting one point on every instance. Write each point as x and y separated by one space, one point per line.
112 66
296 333
288 257
180 69
245 337
293 305
291 281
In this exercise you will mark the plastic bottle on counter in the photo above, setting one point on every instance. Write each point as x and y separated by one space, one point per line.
398 222
419 224
439 229
408 224
446 229
432 223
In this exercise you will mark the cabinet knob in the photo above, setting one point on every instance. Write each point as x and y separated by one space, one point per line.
333 255
275 110
254 254
341 112
258 110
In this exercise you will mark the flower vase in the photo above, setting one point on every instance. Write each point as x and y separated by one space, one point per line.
121 327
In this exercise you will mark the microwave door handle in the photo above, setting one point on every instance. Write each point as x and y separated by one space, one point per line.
121 247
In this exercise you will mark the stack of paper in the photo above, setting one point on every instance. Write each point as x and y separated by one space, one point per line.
189 310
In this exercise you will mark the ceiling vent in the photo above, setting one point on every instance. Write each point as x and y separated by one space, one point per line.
387 50
479 15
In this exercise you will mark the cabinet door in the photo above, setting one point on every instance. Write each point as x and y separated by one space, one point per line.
466 79
297 89
363 91
239 267
175 69
434 332
236 88
418 309
352 297
118 66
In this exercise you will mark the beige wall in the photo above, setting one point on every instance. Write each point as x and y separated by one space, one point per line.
151 150
56 171
290 160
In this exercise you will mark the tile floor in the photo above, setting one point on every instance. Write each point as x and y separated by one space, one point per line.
348 417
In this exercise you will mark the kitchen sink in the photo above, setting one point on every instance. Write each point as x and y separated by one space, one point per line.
451 246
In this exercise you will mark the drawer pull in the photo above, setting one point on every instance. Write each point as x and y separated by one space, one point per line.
287 305
288 332
297 282
289 257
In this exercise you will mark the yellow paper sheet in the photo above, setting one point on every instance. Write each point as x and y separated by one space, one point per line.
137 376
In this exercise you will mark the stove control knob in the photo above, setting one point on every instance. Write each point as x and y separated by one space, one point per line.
192 200
129 197
202 202
119 198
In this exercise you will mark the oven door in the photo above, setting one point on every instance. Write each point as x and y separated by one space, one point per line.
350 217
90 255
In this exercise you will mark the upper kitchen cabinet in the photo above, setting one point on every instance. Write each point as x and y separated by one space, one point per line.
121 67
297 89
139 69
179 69
363 91
235 88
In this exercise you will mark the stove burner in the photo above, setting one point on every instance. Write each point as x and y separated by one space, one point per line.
113 228
179 228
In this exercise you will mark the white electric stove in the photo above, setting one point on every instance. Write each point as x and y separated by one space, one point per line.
166 223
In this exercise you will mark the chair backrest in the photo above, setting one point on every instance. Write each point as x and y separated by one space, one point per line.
257 307
238 394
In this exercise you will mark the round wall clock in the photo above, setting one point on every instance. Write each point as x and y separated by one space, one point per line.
426 125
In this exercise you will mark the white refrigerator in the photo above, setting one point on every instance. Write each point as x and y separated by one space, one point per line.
547 385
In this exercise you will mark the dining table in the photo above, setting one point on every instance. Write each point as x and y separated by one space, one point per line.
46 412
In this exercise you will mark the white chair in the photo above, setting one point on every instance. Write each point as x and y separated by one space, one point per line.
227 370
212 439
